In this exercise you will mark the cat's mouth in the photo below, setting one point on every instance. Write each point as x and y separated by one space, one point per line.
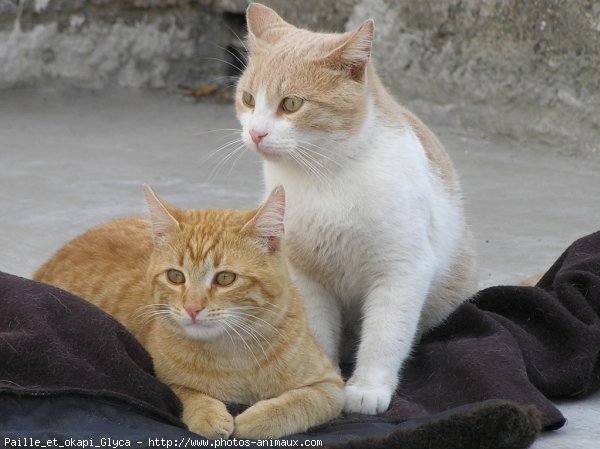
268 153
203 329
200 323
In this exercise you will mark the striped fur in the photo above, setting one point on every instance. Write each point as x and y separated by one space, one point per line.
250 344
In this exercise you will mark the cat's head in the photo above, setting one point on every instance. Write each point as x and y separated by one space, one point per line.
215 272
301 90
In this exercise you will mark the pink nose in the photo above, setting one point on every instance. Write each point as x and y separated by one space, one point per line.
257 136
193 311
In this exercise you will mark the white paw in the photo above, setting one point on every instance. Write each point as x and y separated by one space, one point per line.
367 399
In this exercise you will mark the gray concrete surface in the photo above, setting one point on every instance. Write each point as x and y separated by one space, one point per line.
525 69
71 160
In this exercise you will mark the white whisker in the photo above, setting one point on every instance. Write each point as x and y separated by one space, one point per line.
258 308
239 156
217 130
260 319
148 317
222 162
225 62
312 158
230 326
231 53
238 38
251 332
221 148
225 328
305 160
318 153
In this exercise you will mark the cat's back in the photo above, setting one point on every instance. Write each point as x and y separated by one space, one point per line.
106 266
401 117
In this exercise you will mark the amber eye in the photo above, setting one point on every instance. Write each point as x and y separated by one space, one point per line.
291 104
248 99
225 278
175 276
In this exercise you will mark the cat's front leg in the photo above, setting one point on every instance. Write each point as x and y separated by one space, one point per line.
390 315
203 414
323 313
294 411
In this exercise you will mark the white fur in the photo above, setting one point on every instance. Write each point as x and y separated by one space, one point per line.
386 230
205 327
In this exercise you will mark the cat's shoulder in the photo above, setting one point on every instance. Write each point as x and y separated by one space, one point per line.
118 238
401 117
134 227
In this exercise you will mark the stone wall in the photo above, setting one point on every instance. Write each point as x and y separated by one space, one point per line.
524 69
98 43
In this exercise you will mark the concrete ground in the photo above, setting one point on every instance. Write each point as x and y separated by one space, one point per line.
72 160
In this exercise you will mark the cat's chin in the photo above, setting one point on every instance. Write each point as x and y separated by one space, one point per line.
269 154
201 331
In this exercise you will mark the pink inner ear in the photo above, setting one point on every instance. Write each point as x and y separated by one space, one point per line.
355 52
274 243
260 18
268 221
161 220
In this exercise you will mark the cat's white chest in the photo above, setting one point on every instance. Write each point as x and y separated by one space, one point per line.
330 242
378 208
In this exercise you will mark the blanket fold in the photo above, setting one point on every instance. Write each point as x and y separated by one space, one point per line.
54 343
525 345
529 345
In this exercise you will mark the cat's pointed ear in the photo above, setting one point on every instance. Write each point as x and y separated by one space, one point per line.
162 221
354 53
267 223
260 18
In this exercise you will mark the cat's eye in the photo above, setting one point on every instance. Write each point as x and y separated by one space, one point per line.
248 99
291 104
175 276
225 278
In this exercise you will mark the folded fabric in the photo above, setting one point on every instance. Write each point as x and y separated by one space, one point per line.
529 345
71 373
525 345
52 342
86 422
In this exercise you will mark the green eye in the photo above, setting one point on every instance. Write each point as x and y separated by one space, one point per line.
225 278
175 276
248 99
291 104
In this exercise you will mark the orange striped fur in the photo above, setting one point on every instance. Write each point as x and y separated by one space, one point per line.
264 357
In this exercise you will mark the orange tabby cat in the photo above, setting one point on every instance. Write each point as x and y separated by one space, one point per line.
207 293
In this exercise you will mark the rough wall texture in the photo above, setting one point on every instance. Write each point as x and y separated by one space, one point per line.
512 67
524 68
95 43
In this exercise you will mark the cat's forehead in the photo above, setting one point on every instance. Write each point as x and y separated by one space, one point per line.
209 233
295 43
288 64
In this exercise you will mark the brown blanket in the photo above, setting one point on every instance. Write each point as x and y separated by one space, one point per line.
54 343
527 345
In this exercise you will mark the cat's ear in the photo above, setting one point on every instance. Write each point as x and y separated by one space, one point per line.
267 223
354 53
260 18
162 222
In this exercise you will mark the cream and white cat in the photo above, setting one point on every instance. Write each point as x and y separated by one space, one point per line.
376 231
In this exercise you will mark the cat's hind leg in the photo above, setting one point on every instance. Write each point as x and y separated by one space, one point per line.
323 313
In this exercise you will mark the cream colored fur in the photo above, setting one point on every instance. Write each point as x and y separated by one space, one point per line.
377 238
